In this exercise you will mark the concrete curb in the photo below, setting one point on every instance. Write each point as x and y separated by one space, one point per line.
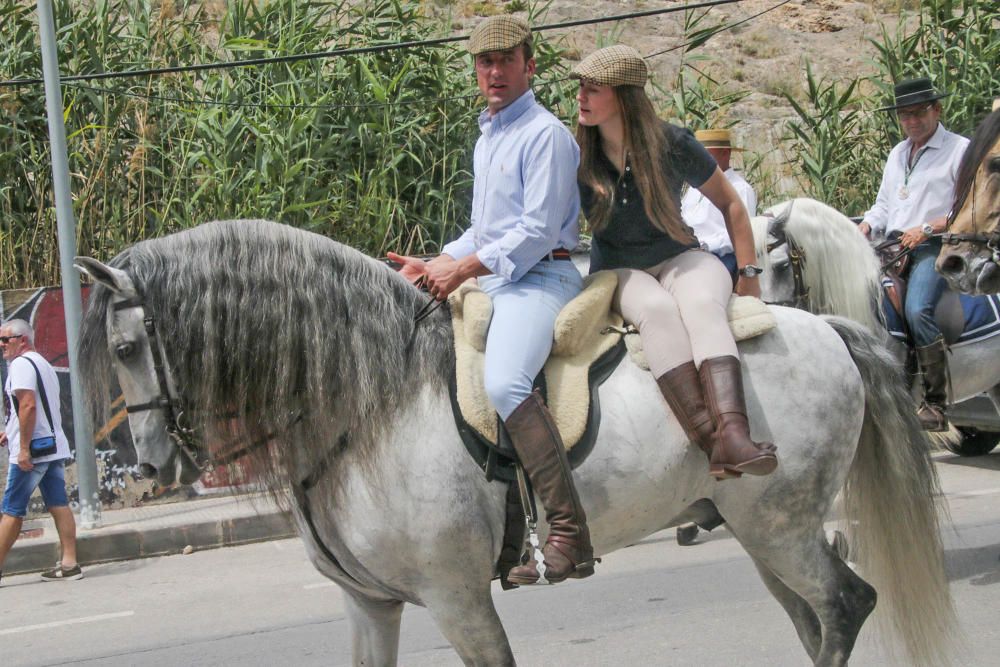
125 543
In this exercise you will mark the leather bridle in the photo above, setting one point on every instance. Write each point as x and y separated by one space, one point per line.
991 240
796 261
174 416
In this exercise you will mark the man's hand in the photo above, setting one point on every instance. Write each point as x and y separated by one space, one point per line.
865 229
24 459
912 237
748 286
412 267
3 439
444 276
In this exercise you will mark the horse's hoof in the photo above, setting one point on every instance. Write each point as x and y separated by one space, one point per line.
687 534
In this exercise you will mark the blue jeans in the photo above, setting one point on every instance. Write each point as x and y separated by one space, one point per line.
520 335
50 477
923 291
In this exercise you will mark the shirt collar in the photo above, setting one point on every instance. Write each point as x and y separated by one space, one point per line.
509 113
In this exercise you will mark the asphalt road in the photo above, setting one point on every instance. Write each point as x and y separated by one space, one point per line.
652 604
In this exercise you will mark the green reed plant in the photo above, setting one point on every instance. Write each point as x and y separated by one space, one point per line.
374 150
839 141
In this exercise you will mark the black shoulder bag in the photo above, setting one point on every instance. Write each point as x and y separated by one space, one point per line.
44 446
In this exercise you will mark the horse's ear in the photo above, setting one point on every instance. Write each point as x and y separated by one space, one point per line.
114 279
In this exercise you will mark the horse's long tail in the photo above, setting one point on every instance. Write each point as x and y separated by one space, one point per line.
891 499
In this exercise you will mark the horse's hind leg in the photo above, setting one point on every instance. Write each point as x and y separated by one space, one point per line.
840 600
803 617
469 621
375 630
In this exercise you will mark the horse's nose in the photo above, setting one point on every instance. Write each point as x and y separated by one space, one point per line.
952 264
147 471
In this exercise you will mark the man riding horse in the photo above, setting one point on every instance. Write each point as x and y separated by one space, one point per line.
525 206
913 201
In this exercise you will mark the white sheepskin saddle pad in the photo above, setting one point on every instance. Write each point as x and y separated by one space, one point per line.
586 328
748 317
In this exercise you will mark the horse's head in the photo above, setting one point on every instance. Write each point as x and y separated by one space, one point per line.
970 258
782 282
814 259
155 414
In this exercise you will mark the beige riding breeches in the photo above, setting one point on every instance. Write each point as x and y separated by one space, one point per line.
679 308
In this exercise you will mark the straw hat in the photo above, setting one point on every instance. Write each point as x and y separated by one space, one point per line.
716 139
613 66
498 33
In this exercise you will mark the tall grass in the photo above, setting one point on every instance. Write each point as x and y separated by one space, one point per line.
374 150
839 140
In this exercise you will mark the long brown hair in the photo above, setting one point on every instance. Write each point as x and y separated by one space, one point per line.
646 143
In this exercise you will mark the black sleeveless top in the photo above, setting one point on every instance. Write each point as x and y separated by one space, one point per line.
630 240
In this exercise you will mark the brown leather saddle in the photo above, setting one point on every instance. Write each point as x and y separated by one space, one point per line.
895 260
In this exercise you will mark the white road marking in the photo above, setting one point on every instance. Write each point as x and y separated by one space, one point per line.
324 584
974 494
71 621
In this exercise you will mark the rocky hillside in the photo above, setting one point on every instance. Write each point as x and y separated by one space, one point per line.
766 56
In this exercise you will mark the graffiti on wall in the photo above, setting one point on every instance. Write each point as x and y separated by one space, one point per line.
119 482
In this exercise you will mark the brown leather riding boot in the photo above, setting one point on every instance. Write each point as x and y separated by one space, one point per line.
734 453
681 387
567 551
933 362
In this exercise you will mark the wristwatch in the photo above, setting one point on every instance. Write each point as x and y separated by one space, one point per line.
750 271
927 229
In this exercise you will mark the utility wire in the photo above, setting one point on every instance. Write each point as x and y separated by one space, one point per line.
267 105
379 48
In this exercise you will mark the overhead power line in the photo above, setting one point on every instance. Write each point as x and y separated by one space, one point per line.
336 53
700 39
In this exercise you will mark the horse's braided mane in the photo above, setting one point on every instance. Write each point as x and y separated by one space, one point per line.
975 153
264 322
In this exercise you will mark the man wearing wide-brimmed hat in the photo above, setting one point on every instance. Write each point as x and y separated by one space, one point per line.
914 199
525 205
702 215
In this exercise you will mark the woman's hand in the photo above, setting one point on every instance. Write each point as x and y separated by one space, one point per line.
748 286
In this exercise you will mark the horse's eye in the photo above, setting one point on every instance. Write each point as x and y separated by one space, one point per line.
125 350
993 164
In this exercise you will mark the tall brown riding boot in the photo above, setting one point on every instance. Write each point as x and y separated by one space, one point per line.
567 551
681 386
734 452
933 362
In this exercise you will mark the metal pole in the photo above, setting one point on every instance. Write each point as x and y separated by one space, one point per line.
86 461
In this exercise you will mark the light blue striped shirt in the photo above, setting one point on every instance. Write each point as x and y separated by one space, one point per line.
525 200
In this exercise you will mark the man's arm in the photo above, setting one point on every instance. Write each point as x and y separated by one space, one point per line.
877 217
721 192
26 415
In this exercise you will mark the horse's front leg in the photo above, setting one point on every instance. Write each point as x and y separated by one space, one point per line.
467 618
374 629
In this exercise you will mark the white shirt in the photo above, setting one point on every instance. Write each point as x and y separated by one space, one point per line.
930 190
20 375
707 222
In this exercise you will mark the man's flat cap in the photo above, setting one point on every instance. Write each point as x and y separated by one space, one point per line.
498 33
613 66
